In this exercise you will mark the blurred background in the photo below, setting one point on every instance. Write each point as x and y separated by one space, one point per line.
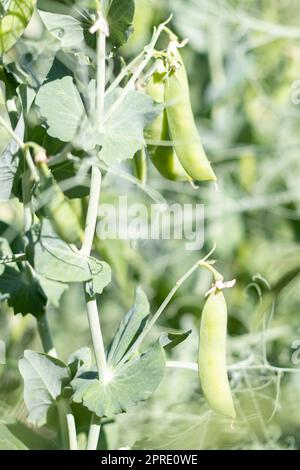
243 63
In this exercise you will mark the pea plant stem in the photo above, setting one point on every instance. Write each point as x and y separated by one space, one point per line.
10 131
92 211
67 425
125 71
94 433
96 333
71 431
45 335
243 365
101 74
149 51
91 220
161 309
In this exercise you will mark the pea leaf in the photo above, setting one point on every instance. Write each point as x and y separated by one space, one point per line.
34 439
80 361
14 22
20 289
130 328
8 441
67 29
52 289
43 377
60 104
56 260
124 129
9 162
134 382
119 14
31 60
171 340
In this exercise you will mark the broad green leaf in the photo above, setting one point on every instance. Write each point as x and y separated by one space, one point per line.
130 327
34 289
80 361
67 29
8 441
9 162
124 129
21 290
134 382
119 14
14 22
60 104
56 260
68 170
52 289
43 377
9 86
33 439
101 273
171 340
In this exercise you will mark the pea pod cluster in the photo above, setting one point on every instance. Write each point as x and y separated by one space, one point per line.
162 155
183 130
212 355
57 207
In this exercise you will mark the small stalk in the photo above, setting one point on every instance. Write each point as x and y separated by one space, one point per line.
149 51
66 425
13 135
124 72
45 335
97 339
101 48
91 220
26 193
71 431
94 433
201 263
92 212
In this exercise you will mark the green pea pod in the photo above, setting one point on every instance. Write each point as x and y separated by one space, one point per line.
184 133
163 157
57 207
140 166
14 22
212 355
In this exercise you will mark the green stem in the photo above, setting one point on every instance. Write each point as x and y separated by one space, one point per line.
94 433
71 431
13 259
92 211
10 131
101 74
45 335
91 220
26 193
124 72
97 339
158 313
130 85
66 419
66 425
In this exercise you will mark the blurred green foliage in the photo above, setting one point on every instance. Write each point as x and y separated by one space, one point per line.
242 60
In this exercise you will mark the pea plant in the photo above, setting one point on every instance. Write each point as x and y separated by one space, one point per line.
68 117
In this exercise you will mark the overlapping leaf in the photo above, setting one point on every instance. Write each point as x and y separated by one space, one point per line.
43 377
119 14
130 328
134 382
61 106
58 261
14 22
8 441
